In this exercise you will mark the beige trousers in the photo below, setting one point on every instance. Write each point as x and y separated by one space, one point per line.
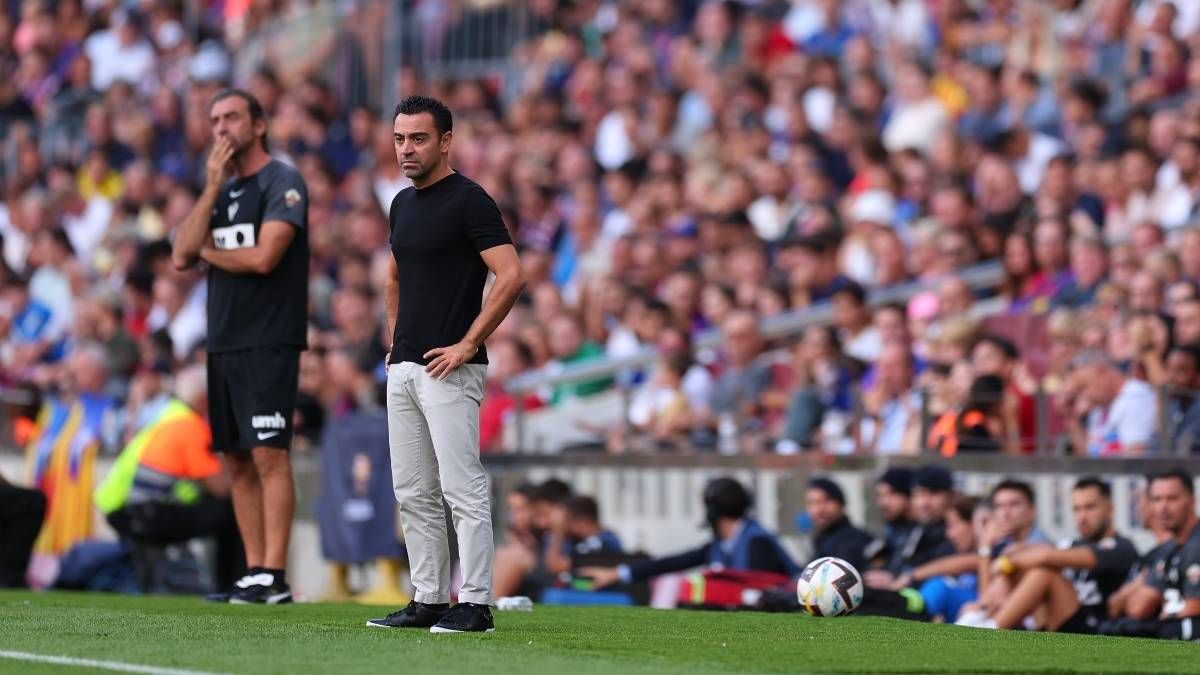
433 431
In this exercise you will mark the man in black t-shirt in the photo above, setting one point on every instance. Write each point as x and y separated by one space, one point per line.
1171 591
1068 586
925 537
446 235
251 226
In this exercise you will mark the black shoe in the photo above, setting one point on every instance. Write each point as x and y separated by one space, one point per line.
416 615
224 596
277 593
466 617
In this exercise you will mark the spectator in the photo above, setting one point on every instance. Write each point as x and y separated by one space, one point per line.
979 426
746 376
891 405
1088 260
1183 411
821 403
917 115
568 347
999 357
852 318
660 407
508 357
1115 406
71 429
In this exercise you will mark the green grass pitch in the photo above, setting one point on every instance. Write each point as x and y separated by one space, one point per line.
184 633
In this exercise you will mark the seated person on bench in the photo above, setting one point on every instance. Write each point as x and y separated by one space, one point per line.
167 486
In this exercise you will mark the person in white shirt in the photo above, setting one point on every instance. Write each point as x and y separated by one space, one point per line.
918 116
1121 411
120 53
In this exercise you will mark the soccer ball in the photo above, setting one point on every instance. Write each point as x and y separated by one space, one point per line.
829 587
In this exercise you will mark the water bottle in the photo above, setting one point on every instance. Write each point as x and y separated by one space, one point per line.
518 603
727 435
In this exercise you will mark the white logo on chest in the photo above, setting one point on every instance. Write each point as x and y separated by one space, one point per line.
234 236
233 209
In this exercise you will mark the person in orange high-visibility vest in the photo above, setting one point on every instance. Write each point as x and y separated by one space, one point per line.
977 426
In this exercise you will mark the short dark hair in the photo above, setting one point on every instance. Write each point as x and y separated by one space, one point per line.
554 491
1014 485
1178 473
583 506
1094 482
256 110
964 506
1002 343
443 121
526 490
1192 351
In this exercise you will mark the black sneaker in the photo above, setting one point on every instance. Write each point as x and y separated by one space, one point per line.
225 596
277 593
416 615
466 617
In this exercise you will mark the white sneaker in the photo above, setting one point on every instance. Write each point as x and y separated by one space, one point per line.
974 619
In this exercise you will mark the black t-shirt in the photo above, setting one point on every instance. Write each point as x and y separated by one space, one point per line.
260 310
438 233
1114 557
843 540
1177 573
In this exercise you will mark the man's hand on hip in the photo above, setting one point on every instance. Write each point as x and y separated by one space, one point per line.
449 358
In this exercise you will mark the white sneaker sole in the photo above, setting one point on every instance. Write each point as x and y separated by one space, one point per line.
438 630
271 600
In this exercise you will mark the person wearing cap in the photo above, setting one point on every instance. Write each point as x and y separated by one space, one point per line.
872 210
834 535
892 497
925 540
739 543
932 498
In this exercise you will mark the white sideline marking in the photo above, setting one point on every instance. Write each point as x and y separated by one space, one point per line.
90 663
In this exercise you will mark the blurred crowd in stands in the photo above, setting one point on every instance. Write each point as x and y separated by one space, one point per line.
667 168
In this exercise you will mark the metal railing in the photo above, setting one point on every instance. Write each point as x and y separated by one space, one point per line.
459 39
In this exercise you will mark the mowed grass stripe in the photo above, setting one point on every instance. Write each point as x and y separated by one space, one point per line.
187 633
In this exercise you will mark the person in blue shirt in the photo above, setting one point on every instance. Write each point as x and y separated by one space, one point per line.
739 543
575 531
586 535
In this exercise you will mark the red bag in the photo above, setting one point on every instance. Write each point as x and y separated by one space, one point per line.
727 589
